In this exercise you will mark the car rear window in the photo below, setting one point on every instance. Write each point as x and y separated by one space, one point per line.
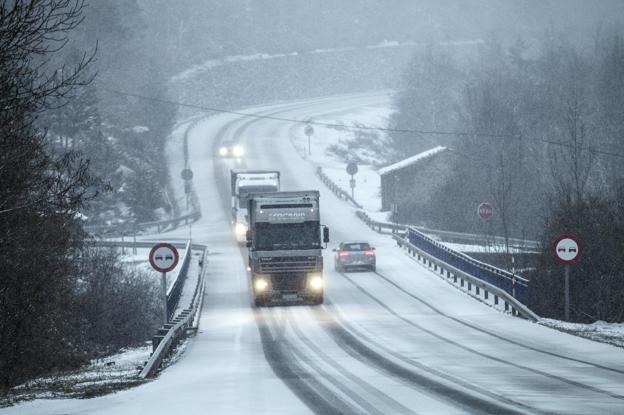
356 247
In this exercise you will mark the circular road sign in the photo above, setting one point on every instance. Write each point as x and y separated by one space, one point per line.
187 174
308 130
352 168
485 210
567 249
163 257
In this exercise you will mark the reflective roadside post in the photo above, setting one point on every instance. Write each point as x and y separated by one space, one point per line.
567 250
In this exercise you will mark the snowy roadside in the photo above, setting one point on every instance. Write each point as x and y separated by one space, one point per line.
332 146
600 331
98 377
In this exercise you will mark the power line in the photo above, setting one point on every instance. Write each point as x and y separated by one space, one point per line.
359 127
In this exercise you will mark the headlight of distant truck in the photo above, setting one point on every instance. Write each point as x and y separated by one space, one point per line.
261 284
240 229
223 151
238 150
315 281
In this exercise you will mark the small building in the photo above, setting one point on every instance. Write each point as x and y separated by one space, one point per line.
408 185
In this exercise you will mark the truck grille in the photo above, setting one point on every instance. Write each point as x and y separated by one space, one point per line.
288 264
288 283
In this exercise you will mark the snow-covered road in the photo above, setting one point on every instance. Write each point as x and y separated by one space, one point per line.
397 341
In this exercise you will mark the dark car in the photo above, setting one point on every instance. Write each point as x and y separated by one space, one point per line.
351 255
231 149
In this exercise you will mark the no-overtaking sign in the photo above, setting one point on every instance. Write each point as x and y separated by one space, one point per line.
163 257
567 249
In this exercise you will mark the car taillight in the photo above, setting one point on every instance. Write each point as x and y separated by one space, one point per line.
343 254
370 253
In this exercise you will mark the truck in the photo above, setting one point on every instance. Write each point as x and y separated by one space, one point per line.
285 241
244 182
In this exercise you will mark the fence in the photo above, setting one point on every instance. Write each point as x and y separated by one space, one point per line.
514 290
337 190
134 228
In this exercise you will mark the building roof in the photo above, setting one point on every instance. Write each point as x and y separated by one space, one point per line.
411 160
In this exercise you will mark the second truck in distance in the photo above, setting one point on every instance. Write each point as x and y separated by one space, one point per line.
244 182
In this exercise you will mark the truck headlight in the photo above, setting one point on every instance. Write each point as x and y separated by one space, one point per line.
240 229
223 151
315 281
261 284
238 150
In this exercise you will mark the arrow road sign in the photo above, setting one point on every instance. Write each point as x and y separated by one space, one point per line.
163 257
567 249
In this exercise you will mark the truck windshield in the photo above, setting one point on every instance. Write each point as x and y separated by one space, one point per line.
276 236
244 191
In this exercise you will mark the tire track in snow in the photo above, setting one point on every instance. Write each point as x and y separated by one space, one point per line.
490 333
395 406
481 354
478 400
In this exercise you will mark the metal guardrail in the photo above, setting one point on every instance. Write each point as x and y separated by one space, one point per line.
133 228
337 190
381 227
171 334
175 289
448 236
141 244
511 288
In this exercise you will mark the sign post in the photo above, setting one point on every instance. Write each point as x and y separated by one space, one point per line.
352 169
567 250
309 131
163 258
187 176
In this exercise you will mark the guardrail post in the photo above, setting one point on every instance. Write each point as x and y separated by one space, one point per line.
506 306
461 282
455 278
469 286
495 299
477 289
485 294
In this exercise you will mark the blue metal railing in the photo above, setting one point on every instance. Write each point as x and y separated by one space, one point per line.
514 285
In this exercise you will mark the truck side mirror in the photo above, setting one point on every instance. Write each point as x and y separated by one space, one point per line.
325 234
248 236
248 244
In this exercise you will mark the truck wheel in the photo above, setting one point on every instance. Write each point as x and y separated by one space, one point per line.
373 268
259 301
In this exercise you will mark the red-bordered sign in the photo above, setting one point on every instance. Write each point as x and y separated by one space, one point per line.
163 257
567 249
485 210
